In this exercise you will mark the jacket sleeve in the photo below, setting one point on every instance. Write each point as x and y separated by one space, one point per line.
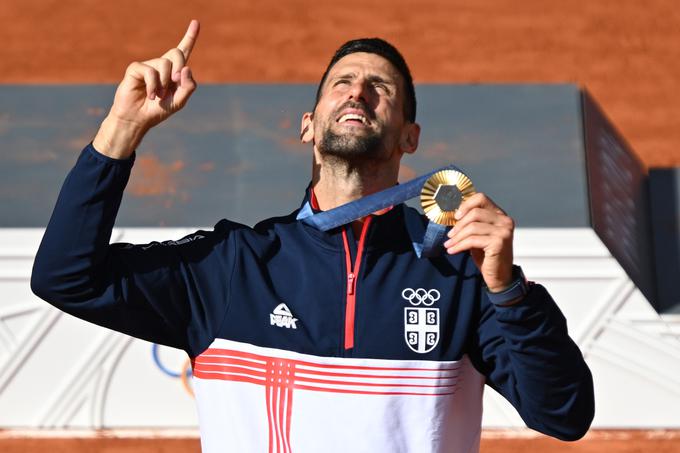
173 293
526 354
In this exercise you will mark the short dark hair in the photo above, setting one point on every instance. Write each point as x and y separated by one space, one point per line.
387 51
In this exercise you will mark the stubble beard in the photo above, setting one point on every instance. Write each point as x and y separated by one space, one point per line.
351 148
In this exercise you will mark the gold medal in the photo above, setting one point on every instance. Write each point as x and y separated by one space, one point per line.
442 195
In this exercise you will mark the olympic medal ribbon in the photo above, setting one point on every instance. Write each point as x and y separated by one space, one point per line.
441 192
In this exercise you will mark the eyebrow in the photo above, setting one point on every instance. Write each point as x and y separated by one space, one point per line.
371 78
375 78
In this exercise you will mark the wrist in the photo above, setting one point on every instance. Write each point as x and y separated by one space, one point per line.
503 281
118 138
500 287
514 292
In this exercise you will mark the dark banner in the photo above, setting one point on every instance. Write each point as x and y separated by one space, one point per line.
619 201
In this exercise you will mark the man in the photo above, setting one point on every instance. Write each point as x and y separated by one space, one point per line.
304 340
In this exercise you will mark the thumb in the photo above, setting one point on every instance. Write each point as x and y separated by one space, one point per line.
187 85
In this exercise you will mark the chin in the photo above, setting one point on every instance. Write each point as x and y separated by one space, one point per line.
351 145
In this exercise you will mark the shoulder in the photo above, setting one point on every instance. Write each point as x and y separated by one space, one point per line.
272 223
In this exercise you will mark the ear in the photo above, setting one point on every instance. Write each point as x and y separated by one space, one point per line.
409 138
307 128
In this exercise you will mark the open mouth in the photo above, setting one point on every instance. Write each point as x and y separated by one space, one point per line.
353 118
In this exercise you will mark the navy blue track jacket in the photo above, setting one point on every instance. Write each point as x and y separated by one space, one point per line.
287 326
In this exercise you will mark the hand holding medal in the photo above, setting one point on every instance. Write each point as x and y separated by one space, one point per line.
479 225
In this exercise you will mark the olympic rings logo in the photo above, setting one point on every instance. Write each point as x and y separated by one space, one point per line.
421 296
183 375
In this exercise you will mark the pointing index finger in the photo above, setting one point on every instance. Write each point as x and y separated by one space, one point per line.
189 39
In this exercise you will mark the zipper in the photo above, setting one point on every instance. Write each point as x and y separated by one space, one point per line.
352 274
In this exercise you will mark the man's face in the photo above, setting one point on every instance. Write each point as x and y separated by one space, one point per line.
360 114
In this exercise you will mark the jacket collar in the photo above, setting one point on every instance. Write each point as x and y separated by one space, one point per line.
387 230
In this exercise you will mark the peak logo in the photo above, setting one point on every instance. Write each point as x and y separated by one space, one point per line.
282 317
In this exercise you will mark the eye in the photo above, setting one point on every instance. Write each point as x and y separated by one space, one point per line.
340 82
381 87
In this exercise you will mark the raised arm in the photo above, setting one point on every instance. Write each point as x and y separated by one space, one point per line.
173 293
522 345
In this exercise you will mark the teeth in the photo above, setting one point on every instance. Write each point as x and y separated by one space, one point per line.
352 116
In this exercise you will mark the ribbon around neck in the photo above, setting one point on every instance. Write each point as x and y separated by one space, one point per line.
425 245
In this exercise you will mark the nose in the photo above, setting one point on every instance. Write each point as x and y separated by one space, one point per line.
360 90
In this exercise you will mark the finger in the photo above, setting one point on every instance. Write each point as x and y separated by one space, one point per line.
177 58
186 45
474 229
475 215
187 85
478 200
164 68
146 74
469 243
152 81
164 71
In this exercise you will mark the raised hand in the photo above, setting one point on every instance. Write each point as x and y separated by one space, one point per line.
487 232
149 93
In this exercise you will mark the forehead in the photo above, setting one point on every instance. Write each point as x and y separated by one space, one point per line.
364 63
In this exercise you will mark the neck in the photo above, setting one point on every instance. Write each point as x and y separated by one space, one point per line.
337 182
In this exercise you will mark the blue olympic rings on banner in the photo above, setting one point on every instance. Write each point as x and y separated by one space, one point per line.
163 368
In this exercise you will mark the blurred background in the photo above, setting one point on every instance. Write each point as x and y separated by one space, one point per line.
565 112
